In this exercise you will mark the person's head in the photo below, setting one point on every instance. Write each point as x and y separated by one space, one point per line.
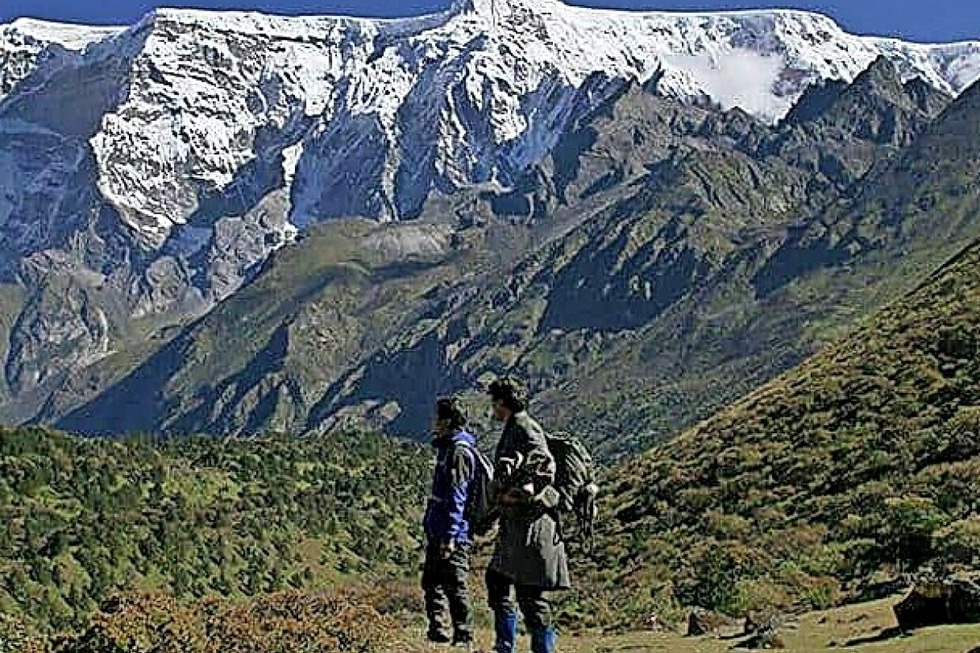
449 418
508 396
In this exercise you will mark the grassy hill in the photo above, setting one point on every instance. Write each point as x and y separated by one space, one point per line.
864 461
861 463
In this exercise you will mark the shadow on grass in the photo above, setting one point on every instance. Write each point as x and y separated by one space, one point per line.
885 635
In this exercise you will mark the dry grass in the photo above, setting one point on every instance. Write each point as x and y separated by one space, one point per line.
853 628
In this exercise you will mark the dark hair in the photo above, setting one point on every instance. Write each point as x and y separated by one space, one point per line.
512 392
448 408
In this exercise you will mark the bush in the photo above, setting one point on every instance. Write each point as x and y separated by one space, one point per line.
753 595
906 529
716 570
16 636
822 593
289 622
959 543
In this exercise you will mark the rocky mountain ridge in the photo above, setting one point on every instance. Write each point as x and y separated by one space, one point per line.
630 275
148 172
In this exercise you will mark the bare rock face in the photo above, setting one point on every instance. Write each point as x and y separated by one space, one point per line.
62 328
703 622
240 244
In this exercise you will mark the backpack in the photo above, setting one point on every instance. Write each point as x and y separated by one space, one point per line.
576 482
480 511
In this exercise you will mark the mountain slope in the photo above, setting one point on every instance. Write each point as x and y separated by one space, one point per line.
662 218
925 194
262 359
197 144
444 336
654 359
879 111
784 295
863 459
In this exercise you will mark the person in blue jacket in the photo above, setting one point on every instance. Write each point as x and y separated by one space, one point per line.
447 531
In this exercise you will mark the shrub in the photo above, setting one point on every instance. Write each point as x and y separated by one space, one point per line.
959 543
906 529
289 622
762 594
16 636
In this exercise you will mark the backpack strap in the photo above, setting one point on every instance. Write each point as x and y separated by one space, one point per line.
586 510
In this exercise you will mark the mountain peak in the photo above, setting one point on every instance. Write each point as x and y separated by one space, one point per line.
879 89
498 8
881 75
71 36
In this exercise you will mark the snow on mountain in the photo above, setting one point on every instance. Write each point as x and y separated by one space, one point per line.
68 35
172 157
384 111
23 42
146 172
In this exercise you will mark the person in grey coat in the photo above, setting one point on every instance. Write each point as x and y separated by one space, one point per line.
529 554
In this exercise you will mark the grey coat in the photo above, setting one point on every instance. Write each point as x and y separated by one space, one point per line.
529 548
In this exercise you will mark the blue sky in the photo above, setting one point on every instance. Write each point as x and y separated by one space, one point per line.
922 20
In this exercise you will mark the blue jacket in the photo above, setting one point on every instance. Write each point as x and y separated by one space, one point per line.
445 515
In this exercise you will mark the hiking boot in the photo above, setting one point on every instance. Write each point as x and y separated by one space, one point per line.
463 641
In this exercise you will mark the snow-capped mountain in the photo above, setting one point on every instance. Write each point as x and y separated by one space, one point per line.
165 161
369 116
24 41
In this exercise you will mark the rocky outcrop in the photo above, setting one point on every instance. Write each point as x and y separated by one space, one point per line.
765 639
764 631
702 622
939 603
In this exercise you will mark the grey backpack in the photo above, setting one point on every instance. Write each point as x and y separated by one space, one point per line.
576 481
480 511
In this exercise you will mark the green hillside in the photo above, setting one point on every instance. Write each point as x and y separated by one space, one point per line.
863 462
85 519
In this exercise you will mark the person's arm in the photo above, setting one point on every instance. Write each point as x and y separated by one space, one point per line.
540 465
461 474
537 469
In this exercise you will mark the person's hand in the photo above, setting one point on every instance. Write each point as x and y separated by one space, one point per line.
448 549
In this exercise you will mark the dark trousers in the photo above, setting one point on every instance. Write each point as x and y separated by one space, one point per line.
445 584
534 606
